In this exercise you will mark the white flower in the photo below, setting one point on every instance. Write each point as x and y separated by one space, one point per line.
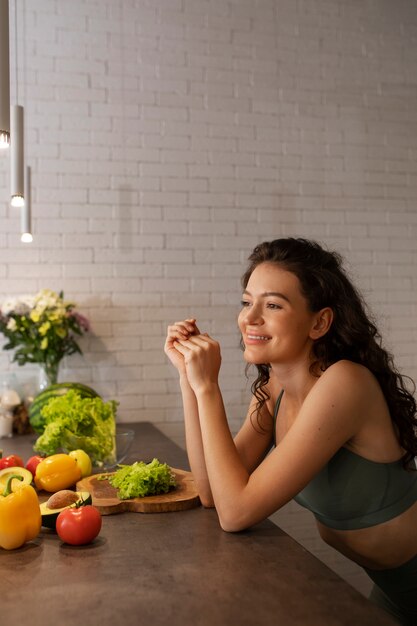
47 299
11 324
8 306
20 305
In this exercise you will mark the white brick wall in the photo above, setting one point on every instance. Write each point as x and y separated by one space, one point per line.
167 137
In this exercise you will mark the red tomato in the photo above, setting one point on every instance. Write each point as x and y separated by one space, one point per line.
78 526
11 461
33 463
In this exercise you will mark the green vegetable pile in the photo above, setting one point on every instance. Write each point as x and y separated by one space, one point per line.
142 479
73 422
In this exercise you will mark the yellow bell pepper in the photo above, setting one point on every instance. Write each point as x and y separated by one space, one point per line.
56 472
20 515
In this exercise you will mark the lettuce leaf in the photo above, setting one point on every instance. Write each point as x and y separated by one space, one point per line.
142 479
73 423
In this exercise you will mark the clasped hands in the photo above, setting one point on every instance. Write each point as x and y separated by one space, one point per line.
194 354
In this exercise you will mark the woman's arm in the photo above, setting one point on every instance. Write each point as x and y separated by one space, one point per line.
330 415
194 444
251 444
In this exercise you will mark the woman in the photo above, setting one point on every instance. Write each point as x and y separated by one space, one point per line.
329 399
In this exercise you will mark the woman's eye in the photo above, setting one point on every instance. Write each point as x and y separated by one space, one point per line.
273 305
244 303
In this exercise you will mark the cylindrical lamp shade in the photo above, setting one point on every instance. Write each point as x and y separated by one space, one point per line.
4 75
17 175
26 215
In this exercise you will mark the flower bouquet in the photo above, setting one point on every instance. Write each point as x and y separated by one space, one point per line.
42 329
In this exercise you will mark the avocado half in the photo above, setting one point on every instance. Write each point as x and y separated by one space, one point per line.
9 471
49 516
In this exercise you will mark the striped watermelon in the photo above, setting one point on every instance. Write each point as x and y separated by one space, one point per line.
53 391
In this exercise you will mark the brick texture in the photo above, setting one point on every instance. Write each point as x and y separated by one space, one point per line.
168 137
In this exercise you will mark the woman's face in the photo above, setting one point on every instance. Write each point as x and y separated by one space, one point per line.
275 320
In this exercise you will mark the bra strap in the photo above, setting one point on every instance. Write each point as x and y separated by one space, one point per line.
277 405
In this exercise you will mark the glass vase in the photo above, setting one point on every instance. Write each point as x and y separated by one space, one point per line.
48 375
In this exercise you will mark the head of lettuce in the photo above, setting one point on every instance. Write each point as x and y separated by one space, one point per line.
76 423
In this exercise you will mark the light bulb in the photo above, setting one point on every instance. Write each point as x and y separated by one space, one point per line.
17 201
4 140
26 238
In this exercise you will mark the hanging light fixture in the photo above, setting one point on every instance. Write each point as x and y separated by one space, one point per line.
4 75
17 162
26 216
17 157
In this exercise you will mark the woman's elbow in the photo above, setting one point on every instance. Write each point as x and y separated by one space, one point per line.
229 529
204 493
232 523
206 501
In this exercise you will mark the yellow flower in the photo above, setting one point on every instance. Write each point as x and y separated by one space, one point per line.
61 332
43 329
43 323
34 316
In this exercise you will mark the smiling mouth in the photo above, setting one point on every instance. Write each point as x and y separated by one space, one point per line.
257 337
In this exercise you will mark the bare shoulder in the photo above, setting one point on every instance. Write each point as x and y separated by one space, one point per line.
338 404
349 392
349 376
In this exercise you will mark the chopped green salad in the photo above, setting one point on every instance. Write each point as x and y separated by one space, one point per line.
142 479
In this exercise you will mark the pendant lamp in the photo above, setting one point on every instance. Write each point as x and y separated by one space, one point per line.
17 163
4 75
17 156
26 216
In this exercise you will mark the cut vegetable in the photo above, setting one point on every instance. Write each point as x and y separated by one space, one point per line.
9 471
49 516
142 479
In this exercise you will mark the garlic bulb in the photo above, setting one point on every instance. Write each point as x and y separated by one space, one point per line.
9 398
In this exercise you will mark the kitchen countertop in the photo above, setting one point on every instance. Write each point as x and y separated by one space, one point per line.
173 568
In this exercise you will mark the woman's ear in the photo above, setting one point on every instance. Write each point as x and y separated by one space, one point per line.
322 322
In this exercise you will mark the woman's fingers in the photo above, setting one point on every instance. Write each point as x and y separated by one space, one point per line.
192 326
179 347
202 359
187 346
198 341
184 328
196 344
175 333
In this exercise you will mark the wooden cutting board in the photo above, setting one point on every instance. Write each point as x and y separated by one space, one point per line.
183 496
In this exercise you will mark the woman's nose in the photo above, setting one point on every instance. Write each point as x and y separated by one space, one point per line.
253 315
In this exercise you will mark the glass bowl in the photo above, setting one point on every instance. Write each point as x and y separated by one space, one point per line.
120 449
123 442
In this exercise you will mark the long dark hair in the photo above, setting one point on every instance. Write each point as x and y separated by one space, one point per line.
352 335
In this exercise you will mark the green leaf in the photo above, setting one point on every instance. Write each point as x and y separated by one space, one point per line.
73 422
142 479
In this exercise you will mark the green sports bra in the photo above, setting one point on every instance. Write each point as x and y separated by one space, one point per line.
352 492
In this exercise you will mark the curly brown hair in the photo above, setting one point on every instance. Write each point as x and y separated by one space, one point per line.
352 335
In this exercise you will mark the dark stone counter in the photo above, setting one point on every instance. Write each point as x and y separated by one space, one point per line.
175 568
